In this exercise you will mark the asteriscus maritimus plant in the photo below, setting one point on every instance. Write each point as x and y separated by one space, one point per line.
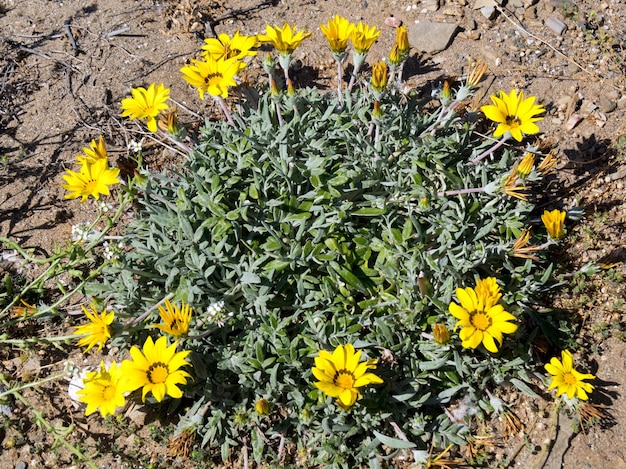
94 152
226 47
340 373
212 76
175 320
104 390
93 179
566 379
554 222
514 114
146 104
156 369
97 330
482 320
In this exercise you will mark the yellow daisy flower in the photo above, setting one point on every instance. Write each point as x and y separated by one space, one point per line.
526 165
514 114
175 320
379 77
212 76
554 222
104 390
488 292
402 39
337 32
93 179
363 37
146 104
97 331
156 369
340 374
284 39
480 322
226 47
566 379
96 151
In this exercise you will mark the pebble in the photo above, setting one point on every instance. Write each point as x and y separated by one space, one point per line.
607 105
488 12
431 37
21 465
556 25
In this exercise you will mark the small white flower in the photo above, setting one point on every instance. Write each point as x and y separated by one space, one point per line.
135 146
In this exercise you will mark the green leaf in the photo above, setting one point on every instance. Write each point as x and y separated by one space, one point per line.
394 443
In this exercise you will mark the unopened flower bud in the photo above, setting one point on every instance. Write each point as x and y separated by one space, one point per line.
262 406
441 334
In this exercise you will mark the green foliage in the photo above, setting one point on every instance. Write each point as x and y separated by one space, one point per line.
314 233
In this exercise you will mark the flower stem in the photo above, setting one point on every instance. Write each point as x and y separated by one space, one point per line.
222 104
355 72
340 82
489 151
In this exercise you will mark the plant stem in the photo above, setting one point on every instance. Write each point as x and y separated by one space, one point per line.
489 151
222 104
461 191
340 82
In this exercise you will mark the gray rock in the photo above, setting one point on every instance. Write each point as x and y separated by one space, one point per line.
606 105
488 12
21 465
556 25
431 37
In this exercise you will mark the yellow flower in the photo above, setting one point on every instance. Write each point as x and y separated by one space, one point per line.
475 72
175 320
340 374
262 407
480 319
212 76
225 47
146 104
156 369
512 186
93 179
284 39
337 32
395 59
487 292
95 151
97 331
104 390
514 114
402 39
379 77
554 222
566 379
441 334
526 165
363 37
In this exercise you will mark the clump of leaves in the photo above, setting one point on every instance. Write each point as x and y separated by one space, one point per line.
314 233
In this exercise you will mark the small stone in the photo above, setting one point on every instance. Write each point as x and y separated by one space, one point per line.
556 25
606 105
431 37
488 12
393 22
21 465
430 5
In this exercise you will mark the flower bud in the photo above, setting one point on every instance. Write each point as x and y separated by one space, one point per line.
441 334
262 406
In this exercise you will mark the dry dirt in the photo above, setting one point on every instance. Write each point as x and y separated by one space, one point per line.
65 66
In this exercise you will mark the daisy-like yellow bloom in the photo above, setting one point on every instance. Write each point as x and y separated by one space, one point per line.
566 379
340 374
512 187
379 77
526 165
514 114
488 292
337 32
104 390
402 39
363 37
93 179
175 320
481 320
212 76
156 369
554 222
146 104
96 151
226 47
284 39
97 330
